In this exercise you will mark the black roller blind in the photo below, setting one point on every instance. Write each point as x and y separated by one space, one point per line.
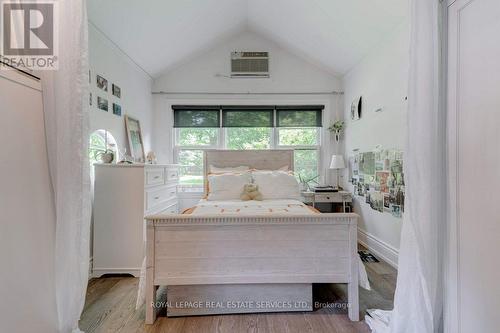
299 116
196 116
247 116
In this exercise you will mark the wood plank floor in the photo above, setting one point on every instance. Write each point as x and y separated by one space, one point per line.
110 307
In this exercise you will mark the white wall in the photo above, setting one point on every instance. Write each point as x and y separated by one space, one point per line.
382 79
27 220
289 73
109 62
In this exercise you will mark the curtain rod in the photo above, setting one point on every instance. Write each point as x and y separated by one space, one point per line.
246 93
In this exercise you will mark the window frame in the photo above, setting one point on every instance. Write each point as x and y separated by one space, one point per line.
222 144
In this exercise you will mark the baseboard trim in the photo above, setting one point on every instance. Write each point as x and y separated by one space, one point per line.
98 272
91 264
379 248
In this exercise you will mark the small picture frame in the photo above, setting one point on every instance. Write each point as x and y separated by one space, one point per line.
396 210
134 135
102 103
117 109
116 90
102 83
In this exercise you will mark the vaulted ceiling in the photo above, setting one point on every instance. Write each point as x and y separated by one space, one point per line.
158 34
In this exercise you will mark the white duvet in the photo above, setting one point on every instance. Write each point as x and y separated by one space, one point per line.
251 207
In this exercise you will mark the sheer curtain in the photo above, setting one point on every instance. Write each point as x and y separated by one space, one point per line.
418 299
65 102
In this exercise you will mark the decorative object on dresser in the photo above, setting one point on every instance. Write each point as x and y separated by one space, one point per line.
123 195
337 163
134 135
151 157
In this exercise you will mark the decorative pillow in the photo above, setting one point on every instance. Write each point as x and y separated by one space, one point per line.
216 170
283 168
251 192
227 186
276 185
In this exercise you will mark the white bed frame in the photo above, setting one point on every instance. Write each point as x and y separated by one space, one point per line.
250 258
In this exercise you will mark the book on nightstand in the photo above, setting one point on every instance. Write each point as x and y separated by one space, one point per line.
325 188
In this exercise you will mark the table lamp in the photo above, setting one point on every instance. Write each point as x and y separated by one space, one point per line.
337 163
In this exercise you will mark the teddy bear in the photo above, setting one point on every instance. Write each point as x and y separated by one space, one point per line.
251 192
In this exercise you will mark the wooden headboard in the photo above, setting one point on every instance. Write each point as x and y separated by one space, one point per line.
255 159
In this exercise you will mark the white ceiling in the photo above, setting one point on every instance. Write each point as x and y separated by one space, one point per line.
335 34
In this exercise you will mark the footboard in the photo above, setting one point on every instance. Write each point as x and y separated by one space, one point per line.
216 250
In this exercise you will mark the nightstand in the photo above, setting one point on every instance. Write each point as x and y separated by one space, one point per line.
340 197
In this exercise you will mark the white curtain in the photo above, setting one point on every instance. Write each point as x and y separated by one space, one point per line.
418 298
65 101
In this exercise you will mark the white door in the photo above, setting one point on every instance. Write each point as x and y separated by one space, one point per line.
474 164
27 229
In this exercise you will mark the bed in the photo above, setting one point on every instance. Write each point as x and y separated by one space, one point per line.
231 256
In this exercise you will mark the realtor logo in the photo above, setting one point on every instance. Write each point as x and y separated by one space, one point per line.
29 34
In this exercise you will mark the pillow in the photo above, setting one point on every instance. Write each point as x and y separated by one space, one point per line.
276 185
283 168
227 186
216 170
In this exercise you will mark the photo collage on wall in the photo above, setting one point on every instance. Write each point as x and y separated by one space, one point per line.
378 177
102 102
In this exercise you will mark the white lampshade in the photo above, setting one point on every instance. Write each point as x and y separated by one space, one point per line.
337 162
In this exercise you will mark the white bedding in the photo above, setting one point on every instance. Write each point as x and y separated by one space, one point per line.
251 207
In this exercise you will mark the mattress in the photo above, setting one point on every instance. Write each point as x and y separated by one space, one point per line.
239 207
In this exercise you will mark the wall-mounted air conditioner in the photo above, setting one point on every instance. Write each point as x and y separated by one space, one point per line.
249 64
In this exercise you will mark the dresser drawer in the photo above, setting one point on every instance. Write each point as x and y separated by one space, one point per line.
172 175
156 196
329 197
155 176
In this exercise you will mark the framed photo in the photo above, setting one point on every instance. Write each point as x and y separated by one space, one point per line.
102 83
116 90
133 128
117 109
396 210
102 103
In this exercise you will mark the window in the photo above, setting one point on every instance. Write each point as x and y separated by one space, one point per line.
198 128
248 138
100 141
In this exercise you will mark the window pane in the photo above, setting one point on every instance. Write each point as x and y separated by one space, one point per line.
196 118
247 118
298 136
306 163
248 138
198 136
191 167
298 118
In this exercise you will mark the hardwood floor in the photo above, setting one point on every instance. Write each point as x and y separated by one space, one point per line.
110 307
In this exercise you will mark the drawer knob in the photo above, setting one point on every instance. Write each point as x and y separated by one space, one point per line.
328 198
156 177
156 198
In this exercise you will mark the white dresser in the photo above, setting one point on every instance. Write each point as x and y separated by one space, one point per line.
123 195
